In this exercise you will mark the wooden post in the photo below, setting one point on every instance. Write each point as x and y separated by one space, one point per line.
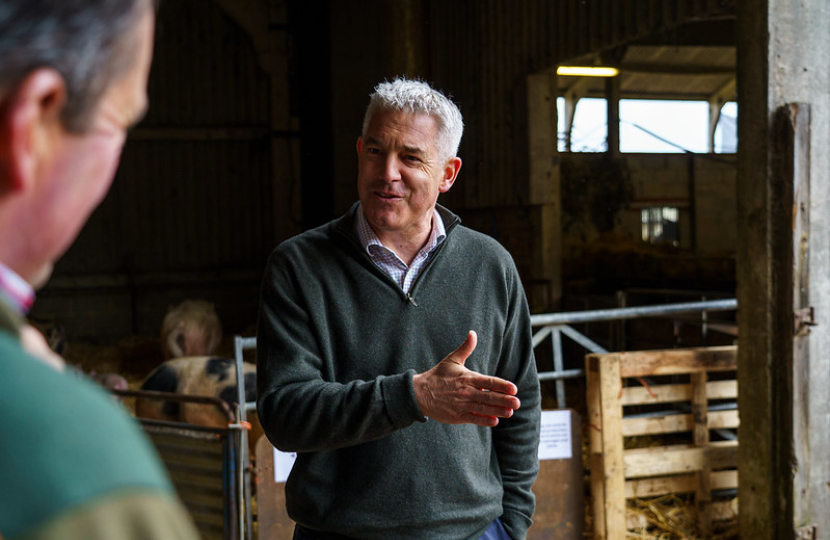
804 315
612 95
703 494
544 193
612 448
596 465
607 471
784 369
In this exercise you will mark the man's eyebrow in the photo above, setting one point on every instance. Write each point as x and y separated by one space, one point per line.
414 150
408 149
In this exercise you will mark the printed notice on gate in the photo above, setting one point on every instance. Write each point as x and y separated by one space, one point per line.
283 462
555 437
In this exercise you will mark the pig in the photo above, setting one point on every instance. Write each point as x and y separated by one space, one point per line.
198 376
191 328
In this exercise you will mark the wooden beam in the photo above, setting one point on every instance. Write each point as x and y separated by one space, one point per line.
783 370
675 361
679 459
612 95
668 393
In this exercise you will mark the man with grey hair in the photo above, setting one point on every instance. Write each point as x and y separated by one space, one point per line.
73 464
399 431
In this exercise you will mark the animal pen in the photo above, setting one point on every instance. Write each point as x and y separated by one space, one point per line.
657 422
209 467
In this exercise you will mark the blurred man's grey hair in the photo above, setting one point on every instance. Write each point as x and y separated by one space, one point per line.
91 43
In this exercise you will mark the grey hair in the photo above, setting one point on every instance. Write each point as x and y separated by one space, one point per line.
91 43
414 96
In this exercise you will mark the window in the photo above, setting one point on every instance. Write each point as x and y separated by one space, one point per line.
726 134
590 126
660 225
663 127
649 126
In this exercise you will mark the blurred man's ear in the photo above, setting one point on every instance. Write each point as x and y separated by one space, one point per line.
30 117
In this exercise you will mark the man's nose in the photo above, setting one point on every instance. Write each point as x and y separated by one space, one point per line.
391 168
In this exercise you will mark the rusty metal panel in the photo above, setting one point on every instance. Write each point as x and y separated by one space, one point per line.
196 463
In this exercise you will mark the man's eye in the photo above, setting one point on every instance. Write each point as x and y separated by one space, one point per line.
413 159
373 151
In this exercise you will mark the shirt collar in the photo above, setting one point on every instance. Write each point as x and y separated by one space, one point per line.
16 290
368 237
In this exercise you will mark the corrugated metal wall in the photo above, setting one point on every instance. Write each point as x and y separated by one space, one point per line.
195 191
584 26
483 51
194 188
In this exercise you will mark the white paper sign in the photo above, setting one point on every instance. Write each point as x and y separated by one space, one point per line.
555 437
283 461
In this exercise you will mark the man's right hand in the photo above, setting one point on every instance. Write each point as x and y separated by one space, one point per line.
452 394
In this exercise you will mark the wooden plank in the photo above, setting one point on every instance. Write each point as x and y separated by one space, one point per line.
678 361
677 459
700 409
703 491
724 419
272 517
560 493
655 425
684 483
805 448
676 423
669 393
612 447
597 466
727 389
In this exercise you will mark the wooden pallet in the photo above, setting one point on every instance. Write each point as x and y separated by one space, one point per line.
618 380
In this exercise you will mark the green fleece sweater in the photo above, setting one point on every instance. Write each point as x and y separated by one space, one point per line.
73 464
338 345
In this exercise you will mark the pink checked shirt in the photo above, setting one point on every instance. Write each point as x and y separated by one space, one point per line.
16 290
390 263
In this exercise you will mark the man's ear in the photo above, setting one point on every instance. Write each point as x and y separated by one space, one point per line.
29 115
451 169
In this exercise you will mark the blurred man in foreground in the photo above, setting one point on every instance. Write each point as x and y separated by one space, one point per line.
73 78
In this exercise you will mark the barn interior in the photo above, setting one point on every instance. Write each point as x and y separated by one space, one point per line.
255 107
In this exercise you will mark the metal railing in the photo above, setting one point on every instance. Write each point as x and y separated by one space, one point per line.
241 344
557 324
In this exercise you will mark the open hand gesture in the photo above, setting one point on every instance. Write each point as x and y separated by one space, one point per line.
452 394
